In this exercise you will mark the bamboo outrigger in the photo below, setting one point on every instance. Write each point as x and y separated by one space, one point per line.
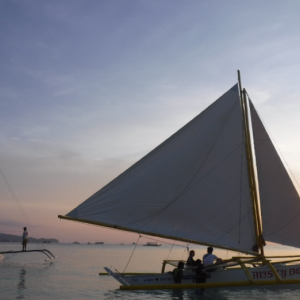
43 251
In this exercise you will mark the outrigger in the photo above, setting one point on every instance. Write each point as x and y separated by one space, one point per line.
44 251
218 181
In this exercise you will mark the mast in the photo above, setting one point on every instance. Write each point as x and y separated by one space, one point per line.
251 171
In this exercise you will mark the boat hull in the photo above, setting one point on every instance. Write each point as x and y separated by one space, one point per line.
220 277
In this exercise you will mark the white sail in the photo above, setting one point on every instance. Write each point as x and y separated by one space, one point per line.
194 186
280 203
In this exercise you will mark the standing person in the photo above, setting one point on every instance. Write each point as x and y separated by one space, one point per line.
24 238
190 261
209 258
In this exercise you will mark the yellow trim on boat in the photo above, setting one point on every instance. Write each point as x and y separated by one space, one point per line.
278 278
246 270
106 274
207 285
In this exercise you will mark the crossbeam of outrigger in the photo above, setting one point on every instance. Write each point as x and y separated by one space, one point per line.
44 251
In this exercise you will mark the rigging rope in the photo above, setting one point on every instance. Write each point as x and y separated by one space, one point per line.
22 211
132 253
185 249
170 250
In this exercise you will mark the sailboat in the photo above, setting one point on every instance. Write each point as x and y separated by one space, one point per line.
218 181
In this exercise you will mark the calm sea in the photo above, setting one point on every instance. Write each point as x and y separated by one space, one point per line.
75 273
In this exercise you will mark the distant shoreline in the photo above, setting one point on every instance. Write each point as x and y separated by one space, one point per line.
11 238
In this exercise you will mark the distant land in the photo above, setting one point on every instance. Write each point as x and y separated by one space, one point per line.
18 239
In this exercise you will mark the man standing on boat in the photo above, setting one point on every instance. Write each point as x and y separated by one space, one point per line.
24 238
209 259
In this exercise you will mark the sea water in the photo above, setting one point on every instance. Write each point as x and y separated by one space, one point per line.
75 273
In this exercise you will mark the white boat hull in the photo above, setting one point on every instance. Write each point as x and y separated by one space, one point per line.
260 275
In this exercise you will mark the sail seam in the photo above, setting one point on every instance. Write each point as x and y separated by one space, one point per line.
200 167
124 174
187 189
285 224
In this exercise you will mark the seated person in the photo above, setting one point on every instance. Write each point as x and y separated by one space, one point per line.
209 259
178 272
200 276
190 261
200 272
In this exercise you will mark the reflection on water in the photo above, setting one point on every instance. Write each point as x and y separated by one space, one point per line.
190 294
21 284
177 294
75 276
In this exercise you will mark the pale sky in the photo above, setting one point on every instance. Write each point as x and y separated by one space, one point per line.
89 87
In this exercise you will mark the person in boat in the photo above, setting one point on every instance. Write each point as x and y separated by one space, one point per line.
209 259
24 239
178 272
200 276
190 261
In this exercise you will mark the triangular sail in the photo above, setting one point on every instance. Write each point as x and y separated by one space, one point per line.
280 203
193 187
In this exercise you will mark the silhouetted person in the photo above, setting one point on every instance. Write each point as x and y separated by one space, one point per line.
24 238
200 276
178 272
209 259
190 261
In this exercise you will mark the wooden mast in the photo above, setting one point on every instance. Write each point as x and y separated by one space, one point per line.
251 171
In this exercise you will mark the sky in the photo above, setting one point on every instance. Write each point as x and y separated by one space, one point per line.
87 88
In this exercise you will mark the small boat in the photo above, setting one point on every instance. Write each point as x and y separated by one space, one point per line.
99 243
152 244
76 243
219 182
